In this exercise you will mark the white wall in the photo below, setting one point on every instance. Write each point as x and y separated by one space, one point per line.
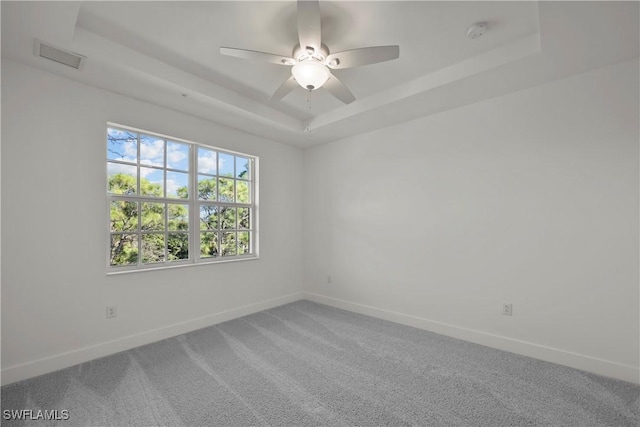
54 236
530 198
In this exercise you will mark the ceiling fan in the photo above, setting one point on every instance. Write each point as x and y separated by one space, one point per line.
311 59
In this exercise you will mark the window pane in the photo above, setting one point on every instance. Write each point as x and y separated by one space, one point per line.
177 156
178 246
225 164
178 185
228 244
208 245
206 188
122 145
152 248
207 161
243 218
242 168
209 218
124 249
226 190
242 192
124 216
151 151
243 243
152 217
122 179
178 217
151 182
228 218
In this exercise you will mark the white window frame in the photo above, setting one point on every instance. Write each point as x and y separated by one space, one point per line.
193 203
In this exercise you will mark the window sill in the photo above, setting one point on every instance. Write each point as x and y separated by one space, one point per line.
117 272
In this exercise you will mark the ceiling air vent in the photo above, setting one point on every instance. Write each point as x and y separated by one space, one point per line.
59 55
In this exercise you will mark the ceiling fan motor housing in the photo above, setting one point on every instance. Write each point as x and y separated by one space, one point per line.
301 54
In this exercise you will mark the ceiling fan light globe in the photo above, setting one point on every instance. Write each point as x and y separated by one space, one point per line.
310 74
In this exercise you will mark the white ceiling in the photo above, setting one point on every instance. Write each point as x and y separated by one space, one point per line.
161 51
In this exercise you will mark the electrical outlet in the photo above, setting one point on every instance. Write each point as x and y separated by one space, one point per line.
507 309
112 311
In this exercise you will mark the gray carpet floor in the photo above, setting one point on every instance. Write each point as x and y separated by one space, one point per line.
308 364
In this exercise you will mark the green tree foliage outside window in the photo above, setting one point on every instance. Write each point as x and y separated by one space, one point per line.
148 186
124 222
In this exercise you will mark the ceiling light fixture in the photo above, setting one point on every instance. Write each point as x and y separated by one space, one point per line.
310 74
311 59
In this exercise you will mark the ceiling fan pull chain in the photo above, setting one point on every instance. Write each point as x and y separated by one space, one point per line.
308 128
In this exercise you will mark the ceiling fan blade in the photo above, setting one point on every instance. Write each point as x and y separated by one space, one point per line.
284 89
363 56
339 90
259 56
309 29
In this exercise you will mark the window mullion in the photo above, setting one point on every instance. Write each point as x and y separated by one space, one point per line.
166 230
219 234
139 203
139 228
194 207
165 204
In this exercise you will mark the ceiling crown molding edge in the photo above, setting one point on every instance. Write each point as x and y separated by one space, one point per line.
497 57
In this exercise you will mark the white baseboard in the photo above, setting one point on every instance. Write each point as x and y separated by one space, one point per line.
64 360
549 354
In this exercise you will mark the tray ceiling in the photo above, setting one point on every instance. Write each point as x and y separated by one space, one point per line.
168 53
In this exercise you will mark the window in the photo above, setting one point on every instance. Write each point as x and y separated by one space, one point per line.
173 202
